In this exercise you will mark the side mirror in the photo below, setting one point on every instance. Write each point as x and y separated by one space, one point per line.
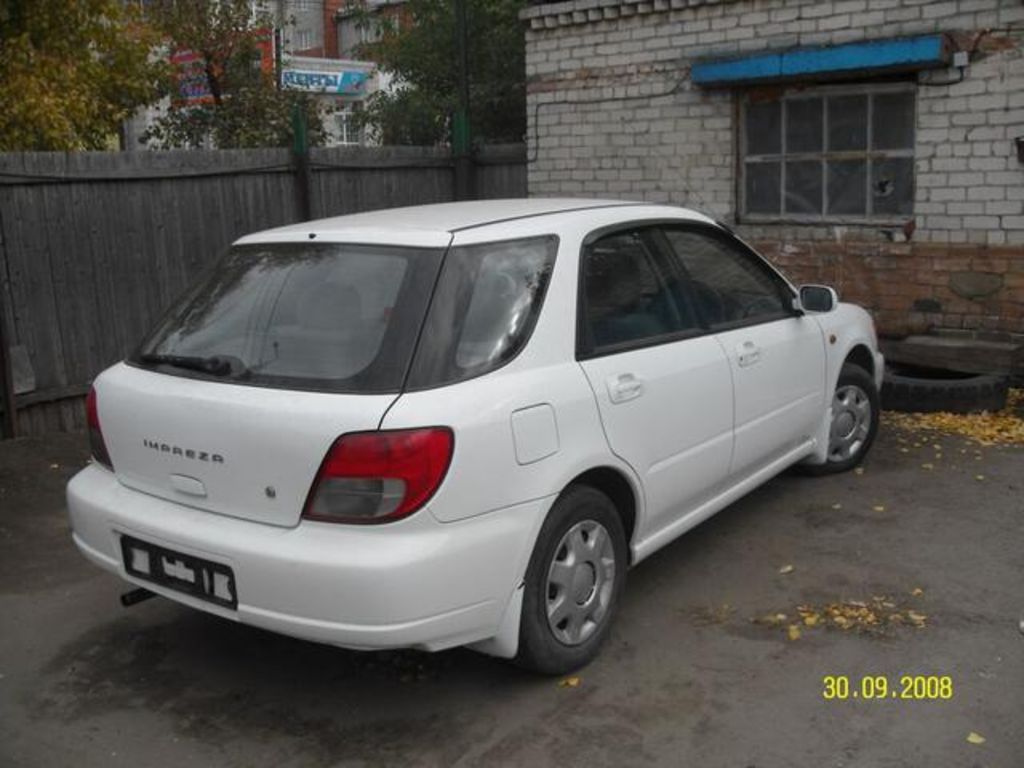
818 298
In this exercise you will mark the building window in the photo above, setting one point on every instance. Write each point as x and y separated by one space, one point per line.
832 154
348 133
355 32
303 39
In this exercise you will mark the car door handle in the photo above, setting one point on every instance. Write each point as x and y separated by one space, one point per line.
748 353
624 387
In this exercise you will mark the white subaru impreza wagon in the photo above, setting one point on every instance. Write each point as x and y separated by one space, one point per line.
461 424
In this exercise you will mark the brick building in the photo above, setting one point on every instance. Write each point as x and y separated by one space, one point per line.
874 145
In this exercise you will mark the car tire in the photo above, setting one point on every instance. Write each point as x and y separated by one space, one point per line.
932 391
570 583
850 438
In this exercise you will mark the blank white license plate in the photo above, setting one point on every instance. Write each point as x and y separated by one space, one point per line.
188 574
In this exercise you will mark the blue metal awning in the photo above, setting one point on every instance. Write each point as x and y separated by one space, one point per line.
819 62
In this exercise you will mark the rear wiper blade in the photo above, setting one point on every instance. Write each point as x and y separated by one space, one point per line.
215 365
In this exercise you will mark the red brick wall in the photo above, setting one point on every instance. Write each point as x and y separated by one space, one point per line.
910 287
331 8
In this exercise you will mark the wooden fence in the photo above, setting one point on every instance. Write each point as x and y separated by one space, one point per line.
94 246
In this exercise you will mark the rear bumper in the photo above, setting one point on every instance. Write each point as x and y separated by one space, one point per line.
416 583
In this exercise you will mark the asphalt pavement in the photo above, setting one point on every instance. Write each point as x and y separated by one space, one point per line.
699 670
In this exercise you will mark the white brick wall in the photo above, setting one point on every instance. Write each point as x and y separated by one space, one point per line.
613 113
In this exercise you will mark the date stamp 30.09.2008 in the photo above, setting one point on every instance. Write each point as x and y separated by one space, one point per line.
884 688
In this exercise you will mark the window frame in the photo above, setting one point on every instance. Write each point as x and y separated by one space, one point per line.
661 263
787 293
408 386
868 155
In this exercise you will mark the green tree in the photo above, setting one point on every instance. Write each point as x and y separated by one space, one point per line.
71 71
421 54
245 108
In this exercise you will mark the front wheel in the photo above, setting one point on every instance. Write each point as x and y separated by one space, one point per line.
855 413
573 583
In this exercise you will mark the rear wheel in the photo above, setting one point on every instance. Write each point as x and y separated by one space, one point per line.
573 583
855 413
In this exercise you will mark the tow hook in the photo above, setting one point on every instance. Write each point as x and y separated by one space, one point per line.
135 596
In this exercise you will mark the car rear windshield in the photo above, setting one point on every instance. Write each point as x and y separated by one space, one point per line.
322 316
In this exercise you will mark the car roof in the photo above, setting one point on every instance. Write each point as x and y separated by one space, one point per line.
434 225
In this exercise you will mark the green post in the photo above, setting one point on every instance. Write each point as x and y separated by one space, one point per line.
462 141
300 158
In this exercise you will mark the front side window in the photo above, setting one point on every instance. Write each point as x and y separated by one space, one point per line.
728 285
627 300
486 303
833 154
333 317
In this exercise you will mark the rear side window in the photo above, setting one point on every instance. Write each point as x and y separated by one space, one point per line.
627 301
322 316
486 303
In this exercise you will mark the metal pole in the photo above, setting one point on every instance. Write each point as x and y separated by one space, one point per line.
461 131
300 156
278 63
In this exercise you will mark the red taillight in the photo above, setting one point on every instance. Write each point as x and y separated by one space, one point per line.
377 477
92 416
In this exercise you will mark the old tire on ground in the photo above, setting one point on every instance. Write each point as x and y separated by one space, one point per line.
855 414
573 582
927 390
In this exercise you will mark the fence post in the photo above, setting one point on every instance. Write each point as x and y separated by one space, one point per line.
462 141
10 424
300 158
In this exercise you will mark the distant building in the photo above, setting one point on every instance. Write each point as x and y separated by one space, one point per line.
341 84
307 32
316 58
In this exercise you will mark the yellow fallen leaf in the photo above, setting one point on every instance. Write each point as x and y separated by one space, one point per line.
811 620
917 591
975 738
1003 427
793 632
787 568
878 508
979 478
569 682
